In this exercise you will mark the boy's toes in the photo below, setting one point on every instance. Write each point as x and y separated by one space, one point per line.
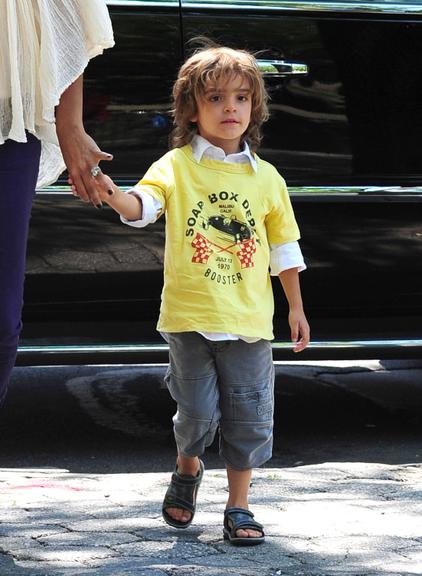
248 533
179 514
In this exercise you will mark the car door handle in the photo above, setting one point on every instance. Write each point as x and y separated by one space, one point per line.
281 68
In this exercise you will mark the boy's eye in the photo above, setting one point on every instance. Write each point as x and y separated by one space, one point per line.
242 98
215 98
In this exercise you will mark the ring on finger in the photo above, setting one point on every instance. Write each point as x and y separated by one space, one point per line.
95 170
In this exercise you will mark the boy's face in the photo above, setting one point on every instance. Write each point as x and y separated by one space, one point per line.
224 113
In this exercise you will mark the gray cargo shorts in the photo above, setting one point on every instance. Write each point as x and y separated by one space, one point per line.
227 385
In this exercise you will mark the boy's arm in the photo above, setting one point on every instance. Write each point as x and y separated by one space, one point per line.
127 205
299 327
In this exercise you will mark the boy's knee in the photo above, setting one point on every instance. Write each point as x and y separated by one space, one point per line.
194 423
246 446
192 434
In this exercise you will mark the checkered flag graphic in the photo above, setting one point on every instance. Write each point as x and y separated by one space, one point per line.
203 249
246 252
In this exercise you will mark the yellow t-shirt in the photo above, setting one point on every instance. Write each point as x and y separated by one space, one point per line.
220 219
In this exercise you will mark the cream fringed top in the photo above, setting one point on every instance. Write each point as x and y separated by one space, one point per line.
45 45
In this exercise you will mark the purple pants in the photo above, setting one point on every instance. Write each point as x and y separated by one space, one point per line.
19 165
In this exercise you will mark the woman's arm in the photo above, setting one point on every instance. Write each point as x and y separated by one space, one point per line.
299 326
80 152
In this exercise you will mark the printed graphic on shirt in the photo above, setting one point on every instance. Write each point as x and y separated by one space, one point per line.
223 236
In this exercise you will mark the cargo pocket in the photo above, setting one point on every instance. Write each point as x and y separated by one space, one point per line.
252 406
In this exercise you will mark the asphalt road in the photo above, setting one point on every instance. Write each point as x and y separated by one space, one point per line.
117 419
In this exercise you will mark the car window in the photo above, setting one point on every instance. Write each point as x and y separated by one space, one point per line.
128 90
324 129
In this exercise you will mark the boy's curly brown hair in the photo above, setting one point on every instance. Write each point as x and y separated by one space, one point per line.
209 65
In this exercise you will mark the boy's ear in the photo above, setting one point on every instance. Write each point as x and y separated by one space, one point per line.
194 117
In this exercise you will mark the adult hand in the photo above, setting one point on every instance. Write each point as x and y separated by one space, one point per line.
81 154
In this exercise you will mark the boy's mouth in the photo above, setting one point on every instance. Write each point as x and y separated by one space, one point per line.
230 121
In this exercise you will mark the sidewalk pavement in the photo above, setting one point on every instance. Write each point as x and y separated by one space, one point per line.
354 519
326 519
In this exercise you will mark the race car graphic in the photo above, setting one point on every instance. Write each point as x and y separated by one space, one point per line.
232 229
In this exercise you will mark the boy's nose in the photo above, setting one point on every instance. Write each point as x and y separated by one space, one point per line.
230 106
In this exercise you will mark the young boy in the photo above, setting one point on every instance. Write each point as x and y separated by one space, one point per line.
228 219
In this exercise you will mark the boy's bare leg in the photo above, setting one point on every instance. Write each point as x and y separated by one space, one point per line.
189 466
239 482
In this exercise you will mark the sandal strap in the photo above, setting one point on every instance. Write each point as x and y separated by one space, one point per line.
185 480
182 490
232 510
241 518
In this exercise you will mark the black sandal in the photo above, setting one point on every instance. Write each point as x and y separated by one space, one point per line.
181 493
240 518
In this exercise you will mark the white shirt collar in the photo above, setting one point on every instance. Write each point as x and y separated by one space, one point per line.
201 147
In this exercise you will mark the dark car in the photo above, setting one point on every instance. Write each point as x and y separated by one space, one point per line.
345 131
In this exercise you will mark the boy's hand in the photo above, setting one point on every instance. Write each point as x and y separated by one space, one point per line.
299 329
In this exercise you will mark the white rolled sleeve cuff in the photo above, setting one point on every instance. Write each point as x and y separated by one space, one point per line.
151 208
286 256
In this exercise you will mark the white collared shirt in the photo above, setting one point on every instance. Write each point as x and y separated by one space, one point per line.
282 256
201 147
